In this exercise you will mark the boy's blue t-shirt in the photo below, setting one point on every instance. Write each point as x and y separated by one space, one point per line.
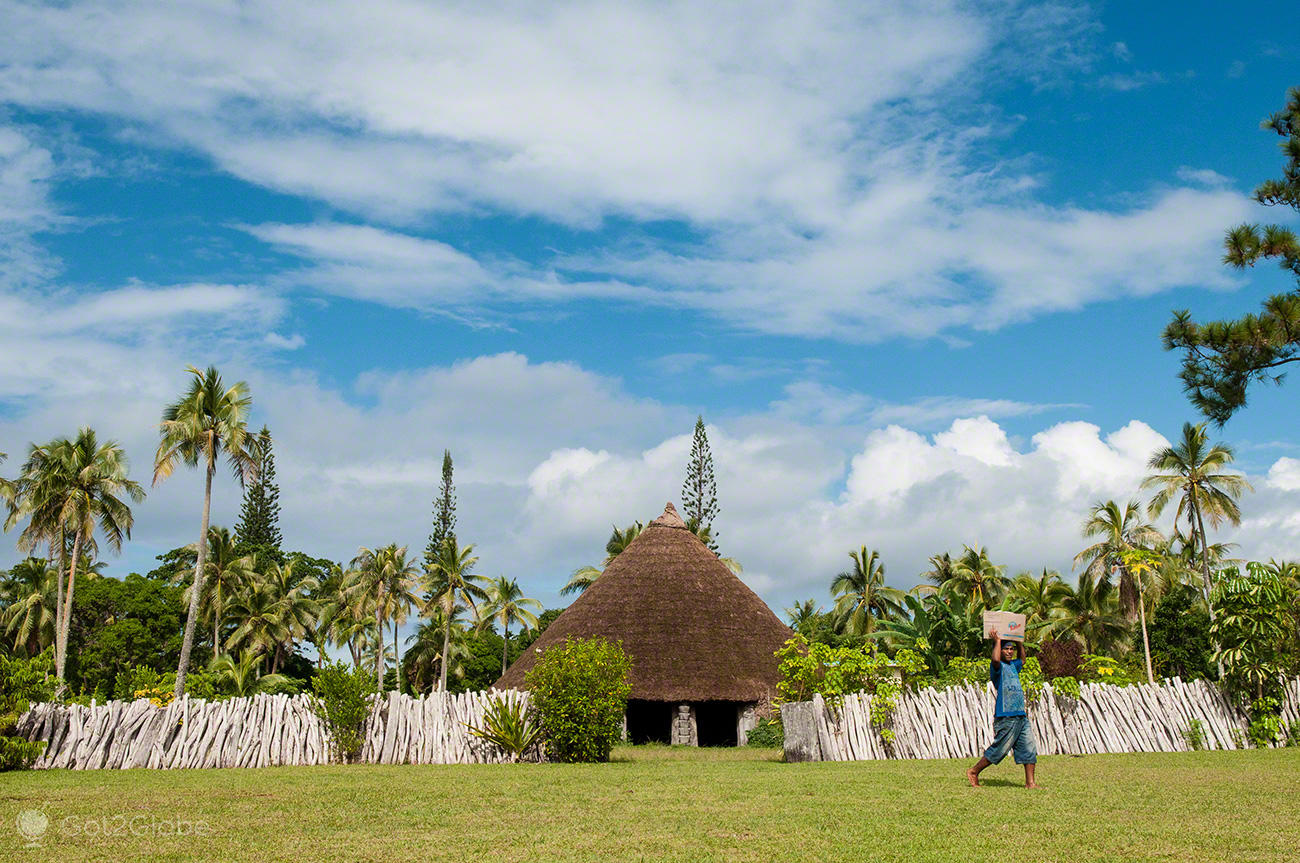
1006 682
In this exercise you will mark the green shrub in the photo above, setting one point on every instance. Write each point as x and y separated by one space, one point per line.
1066 686
507 724
976 671
1108 669
579 694
834 672
1266 726
342 703
768 733
22 681
1194 734
205 685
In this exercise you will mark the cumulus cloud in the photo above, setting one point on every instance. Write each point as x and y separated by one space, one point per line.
550 455
26 172
839 145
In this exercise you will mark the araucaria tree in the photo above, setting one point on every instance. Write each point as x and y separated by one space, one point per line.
444 513
700 490
69 488
258 530
1222 358
210 420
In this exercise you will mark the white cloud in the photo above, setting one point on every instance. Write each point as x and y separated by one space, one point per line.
1124 82
1202 177
26 171
1285 474
837 145
549 455
285 343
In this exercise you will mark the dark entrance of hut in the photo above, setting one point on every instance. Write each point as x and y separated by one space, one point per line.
715 722
649 721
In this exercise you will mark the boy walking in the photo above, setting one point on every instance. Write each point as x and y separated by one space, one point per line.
1011 729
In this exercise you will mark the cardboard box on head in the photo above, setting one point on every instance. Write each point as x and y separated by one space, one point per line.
1008 624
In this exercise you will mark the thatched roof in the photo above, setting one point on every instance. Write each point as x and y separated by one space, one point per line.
694 631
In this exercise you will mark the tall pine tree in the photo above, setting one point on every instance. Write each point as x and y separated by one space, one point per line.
258 530
700 491
444 513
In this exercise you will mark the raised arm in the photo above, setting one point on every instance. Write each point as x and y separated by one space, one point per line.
997 645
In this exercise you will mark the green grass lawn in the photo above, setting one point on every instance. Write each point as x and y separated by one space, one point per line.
655 803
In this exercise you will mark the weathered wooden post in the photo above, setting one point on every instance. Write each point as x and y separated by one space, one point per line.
800 724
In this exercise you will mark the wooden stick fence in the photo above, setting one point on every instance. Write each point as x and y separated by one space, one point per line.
958 722
259 731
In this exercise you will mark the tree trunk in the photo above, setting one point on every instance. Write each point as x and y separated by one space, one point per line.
1205 572
505 645
1205 556
1146 645
61 637
379 654
446 646
1128 599
58 599
397 656
192 619
216 619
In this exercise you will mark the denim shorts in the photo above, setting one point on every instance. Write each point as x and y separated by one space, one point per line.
1012 732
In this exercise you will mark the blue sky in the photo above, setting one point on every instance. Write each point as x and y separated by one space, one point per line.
911 265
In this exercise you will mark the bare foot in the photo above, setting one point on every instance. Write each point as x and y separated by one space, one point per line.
973 778
1034 785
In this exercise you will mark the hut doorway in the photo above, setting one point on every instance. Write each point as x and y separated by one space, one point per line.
716 722
649 721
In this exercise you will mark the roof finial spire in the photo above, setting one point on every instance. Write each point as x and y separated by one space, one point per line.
670 518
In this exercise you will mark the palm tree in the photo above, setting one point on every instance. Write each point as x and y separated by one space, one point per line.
507 604
381 573
917 629
1090 613
70 487
450 584
261 621
1038 598
1193 471
1119 531
399 595
803 616
940 571
348 613
210 420
862 594
585 576
327 598
227 572
976 577
295 609
424 655
243 677
1144 565
29 596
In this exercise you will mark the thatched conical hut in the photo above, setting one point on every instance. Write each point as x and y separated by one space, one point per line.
702 644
